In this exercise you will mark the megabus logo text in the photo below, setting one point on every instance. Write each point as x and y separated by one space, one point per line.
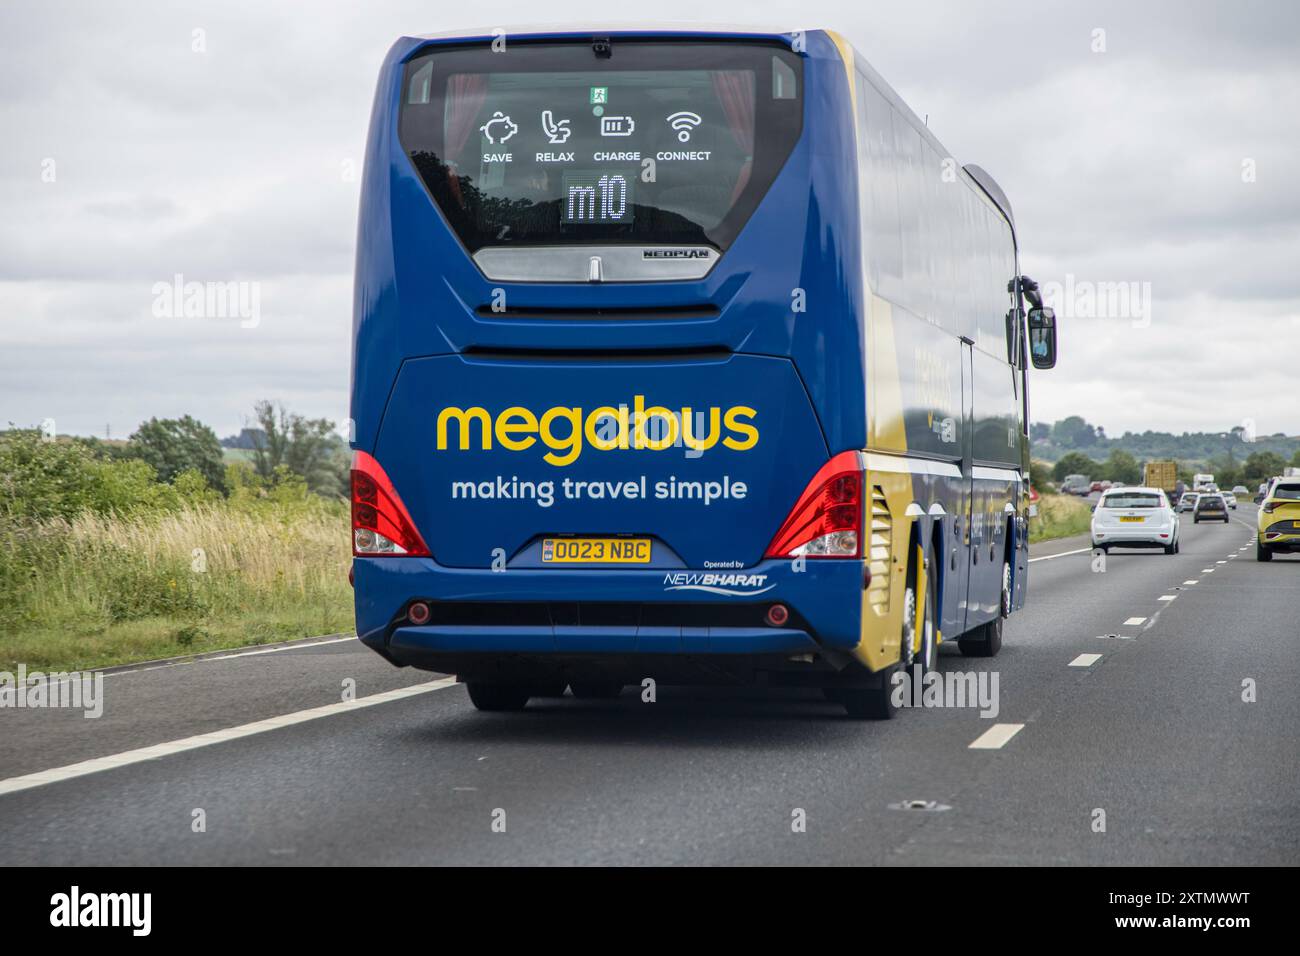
567 430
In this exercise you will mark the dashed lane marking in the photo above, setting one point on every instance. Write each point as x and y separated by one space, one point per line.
996 737
1085 660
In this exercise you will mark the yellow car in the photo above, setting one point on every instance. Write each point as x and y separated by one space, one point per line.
1279 519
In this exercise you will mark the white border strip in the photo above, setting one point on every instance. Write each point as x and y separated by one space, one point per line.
39 779
987 473
911 466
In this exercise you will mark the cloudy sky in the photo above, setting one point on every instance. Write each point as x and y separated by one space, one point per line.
1155 145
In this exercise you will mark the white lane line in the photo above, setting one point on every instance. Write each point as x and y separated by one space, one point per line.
1169 597
1207 570
1134 621
1193 581
146 667
1220 562
302 646
1085 660
28 781
995 737
1049 557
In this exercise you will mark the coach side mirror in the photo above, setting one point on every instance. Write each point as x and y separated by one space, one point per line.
1042 337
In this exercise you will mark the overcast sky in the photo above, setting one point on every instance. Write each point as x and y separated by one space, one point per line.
1160 153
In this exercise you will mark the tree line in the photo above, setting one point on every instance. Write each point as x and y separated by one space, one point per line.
1229 448
166 461
1120 466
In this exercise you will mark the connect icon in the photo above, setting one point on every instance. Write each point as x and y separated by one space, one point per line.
684 122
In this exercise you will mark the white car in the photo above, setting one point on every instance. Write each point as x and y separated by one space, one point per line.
1231 499
1135 518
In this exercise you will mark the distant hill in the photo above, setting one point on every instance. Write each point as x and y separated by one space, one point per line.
247 439
1074 434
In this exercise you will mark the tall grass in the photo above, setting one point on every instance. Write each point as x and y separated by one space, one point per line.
1060 516
97 589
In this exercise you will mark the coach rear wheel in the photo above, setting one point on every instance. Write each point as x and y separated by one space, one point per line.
492 696
919 645
986 640
867 703
983 641
1006 588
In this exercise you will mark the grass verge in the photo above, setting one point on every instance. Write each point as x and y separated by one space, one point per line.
97 590
1060 516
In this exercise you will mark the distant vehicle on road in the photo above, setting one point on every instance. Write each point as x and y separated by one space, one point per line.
1210 507
1203 482
1188 501
1135 518
1240 490
1095 486
1076 485
1163 475
1278 521
1231 499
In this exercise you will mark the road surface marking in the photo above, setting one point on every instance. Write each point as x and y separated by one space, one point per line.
28 781
995 737
1134 621
1193 581
1048 557
1169 597
1220 562
1207 570
146 666
1085 660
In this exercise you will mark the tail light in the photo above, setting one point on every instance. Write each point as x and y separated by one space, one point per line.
380 522
826 521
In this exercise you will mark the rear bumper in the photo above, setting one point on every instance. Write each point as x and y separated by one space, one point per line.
591 614
1136 539
1281 540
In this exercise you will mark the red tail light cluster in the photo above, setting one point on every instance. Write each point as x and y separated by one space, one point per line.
380 522
826 521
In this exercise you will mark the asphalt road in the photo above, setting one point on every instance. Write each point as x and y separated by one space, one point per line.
1154 733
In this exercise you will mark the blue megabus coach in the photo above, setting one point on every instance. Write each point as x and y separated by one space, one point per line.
688 356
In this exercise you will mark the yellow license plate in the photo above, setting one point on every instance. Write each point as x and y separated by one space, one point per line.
1131 518
596 551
